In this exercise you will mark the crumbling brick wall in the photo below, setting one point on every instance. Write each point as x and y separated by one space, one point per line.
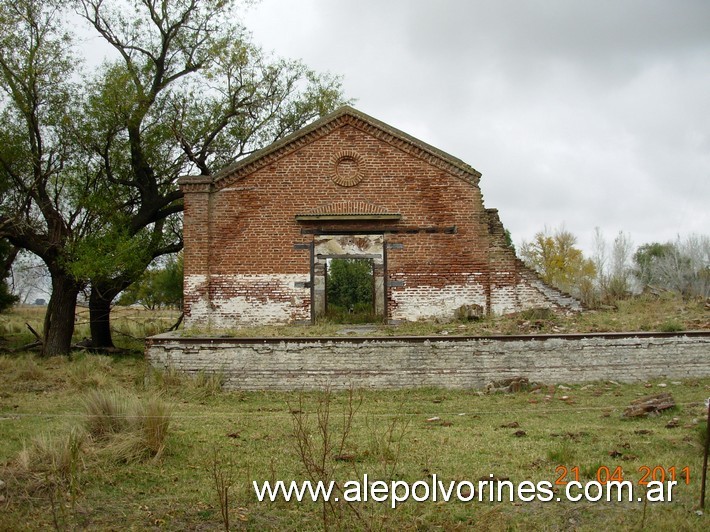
249 230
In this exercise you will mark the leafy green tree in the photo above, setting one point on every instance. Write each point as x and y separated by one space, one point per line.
187 94
350 285
42 209
90 160
169 283
555 257
645 259
157 288
509 240
7 257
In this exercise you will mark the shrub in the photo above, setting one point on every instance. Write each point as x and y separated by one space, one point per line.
671 326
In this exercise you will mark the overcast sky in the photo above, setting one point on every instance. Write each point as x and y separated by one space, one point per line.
582 113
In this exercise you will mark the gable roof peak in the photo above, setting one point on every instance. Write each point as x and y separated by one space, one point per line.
358 118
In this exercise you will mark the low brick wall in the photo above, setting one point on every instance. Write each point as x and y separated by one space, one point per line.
450 362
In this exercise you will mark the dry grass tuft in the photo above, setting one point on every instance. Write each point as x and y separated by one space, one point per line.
131 430
166 380
7 365
48 460
208 384
202 385
106 413
153 422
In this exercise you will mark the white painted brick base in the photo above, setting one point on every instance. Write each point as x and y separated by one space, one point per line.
245 300
429 302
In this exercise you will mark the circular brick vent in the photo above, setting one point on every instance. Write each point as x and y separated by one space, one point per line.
347 168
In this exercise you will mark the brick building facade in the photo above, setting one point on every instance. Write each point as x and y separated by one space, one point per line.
259 234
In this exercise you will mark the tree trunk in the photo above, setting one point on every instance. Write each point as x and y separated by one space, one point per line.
100 316
100 299
59 319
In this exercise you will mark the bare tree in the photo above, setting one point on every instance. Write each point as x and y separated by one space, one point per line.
682 266
29 278
613 267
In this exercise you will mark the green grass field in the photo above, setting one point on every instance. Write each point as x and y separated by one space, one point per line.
131 325
57 476
98 442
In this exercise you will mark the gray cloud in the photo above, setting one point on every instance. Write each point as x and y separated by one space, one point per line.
583 113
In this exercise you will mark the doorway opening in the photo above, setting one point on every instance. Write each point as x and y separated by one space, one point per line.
348 278
350 290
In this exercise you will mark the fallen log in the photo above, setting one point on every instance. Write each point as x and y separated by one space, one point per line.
27 347
510 385
649 405
36 334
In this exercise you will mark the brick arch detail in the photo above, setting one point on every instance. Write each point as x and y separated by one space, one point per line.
350 207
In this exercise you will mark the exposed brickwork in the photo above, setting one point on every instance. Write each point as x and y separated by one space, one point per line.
230 301
347 168
449 363
349 207
245 247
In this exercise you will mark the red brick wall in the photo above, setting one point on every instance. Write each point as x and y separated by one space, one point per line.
253 228
258 211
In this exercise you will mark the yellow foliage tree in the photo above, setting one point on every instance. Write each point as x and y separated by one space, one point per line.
558 262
